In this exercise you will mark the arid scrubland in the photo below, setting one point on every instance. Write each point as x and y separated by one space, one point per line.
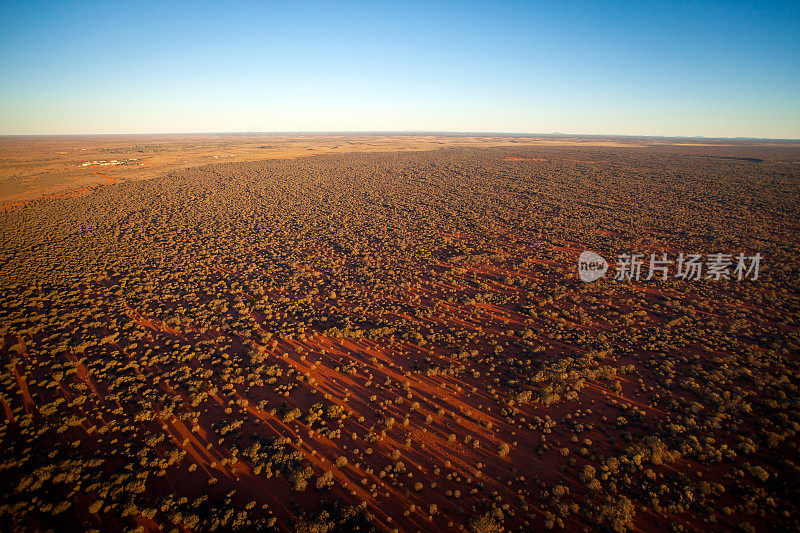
400 341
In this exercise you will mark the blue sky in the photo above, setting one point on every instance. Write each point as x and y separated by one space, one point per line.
672 68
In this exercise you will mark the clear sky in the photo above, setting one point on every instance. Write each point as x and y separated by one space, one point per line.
671 68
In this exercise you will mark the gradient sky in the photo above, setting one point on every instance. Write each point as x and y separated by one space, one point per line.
673 68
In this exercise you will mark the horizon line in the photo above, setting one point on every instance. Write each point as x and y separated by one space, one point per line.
404 132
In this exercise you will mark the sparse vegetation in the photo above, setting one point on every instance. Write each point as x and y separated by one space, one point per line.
403 336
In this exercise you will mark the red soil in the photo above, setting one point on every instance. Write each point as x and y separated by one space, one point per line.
71 193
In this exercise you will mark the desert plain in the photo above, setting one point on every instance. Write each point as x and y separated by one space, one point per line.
387 332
